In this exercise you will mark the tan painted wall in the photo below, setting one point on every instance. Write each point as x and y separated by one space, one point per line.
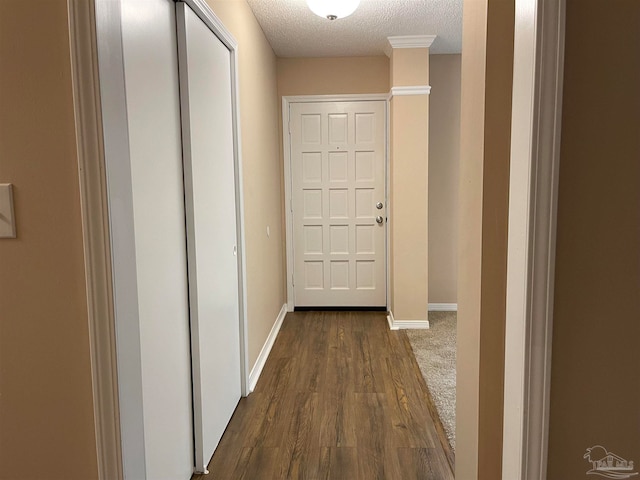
595 373
444 166
262 171
46 404
487 65
333 75
409 180
408 66
409 225
495 222
474 32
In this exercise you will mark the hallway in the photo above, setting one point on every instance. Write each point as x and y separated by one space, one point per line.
340 397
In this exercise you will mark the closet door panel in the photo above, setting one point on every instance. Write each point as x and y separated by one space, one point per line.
210 195
153 115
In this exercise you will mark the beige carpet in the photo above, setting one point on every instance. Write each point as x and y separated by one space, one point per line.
435 351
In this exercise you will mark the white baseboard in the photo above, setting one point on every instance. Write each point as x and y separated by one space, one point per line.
406 324
443 307
390 320
266 349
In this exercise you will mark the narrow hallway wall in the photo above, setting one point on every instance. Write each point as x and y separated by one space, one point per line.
444 166
262 179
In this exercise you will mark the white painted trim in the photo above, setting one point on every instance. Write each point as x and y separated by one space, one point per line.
355 97
204 12
390 320
288 196
387 199
443 307
408 41
286 148
535 150
410 325
242 248
96 242
406 324
266 349
410 90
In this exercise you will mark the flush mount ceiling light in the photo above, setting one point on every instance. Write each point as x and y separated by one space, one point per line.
333 9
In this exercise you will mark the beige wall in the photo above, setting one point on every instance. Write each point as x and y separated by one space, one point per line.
409 152
409 66
444 165
262 171
409 161
595 373
333 75
495 212
474 32
487 64
46 404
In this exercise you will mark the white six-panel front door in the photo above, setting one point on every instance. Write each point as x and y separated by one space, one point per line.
338 203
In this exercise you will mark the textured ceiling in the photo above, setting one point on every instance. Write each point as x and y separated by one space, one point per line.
294 31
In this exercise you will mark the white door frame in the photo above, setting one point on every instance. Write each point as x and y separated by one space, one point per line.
533 192
288 202
96 237
94 126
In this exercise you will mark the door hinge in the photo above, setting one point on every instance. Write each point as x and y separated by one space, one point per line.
292 282
289 128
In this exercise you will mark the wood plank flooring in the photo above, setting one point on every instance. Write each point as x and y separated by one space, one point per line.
340 397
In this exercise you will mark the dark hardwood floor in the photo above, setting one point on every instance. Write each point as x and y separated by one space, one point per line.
340 397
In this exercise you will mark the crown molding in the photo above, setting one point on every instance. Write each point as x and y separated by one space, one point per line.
408 41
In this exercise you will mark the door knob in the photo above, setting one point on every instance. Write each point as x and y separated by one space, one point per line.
379 219
379 205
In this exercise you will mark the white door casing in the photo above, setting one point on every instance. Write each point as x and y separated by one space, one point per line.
211 218
536 126
337 154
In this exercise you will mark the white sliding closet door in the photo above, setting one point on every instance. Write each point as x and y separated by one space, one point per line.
210 194
155 383
153 114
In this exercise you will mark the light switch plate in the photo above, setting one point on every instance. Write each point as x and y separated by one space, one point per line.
7 216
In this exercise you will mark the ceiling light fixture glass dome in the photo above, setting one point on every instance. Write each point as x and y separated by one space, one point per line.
333 9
